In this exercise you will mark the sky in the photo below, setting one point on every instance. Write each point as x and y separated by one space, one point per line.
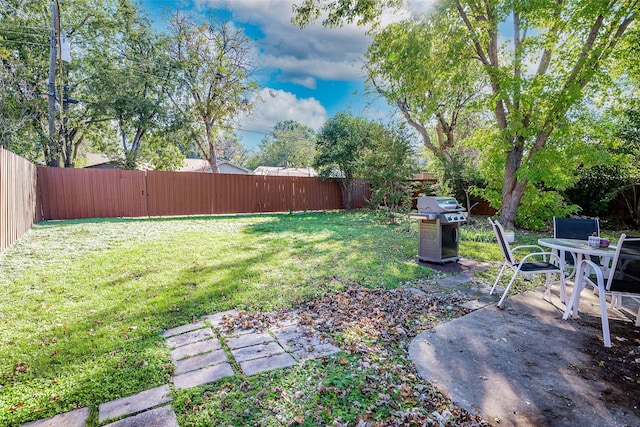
307 75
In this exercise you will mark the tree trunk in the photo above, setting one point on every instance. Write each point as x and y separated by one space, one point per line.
212 157
346 185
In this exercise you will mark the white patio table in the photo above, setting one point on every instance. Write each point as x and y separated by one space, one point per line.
580 249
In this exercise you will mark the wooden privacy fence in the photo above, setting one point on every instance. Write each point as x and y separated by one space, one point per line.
18 197
101 193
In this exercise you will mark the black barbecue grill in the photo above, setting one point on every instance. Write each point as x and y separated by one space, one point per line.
439 219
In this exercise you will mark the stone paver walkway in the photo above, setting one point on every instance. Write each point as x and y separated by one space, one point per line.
204 352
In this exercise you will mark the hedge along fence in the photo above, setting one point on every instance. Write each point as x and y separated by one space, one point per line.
18 197
103 193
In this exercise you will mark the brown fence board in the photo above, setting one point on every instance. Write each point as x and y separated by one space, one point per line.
91 193
19 207
96 193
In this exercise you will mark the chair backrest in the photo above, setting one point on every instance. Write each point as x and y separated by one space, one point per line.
575 228
502 242
626 266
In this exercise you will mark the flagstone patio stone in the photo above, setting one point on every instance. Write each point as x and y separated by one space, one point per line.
132 404
194 349
257 351
249 340
203 376
77 418
200 361
182 329
255 366
189 337
158 417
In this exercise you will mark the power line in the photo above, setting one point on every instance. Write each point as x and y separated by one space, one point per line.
20 26
21 33
23 42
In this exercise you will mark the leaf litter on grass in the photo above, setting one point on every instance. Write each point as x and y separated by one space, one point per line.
374 327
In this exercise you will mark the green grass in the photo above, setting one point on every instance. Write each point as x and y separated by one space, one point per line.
83 303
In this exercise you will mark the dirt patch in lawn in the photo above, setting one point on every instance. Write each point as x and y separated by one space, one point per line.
617 367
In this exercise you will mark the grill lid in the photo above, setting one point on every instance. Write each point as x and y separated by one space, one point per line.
438 204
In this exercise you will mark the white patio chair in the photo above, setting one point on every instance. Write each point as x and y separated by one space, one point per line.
624 280
574 228
527 265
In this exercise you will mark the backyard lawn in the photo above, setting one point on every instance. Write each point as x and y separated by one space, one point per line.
83 305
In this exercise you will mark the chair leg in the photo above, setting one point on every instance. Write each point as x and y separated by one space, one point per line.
638 318
563 289
498 278
605 319
616 301
506 291
547 287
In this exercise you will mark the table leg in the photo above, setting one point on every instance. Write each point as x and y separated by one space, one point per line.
574 302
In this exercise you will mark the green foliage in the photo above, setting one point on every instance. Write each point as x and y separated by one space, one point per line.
596 187
213 75
387 164
616 175
538 208
127 84
557 54
426 69
461 177
339 146
290 144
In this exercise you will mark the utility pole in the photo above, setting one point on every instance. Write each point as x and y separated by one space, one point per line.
54 159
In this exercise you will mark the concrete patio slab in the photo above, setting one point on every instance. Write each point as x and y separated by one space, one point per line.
159 417
255 366
519 366
249 340
257 351
133 404
462 265
189 337
203 376
77 418
200 361
237 332
216 318
198 347
315 352
458 280
182 329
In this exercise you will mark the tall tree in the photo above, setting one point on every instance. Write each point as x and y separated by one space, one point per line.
339 145
97 30
127 74
388 164
290 144
231 149
24 52
427 70
558 52
213 75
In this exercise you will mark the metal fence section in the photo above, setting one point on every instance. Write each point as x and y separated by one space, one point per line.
103 193
181 193
18 197
91 193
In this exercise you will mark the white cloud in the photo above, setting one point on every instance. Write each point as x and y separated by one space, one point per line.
301 55
272 106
